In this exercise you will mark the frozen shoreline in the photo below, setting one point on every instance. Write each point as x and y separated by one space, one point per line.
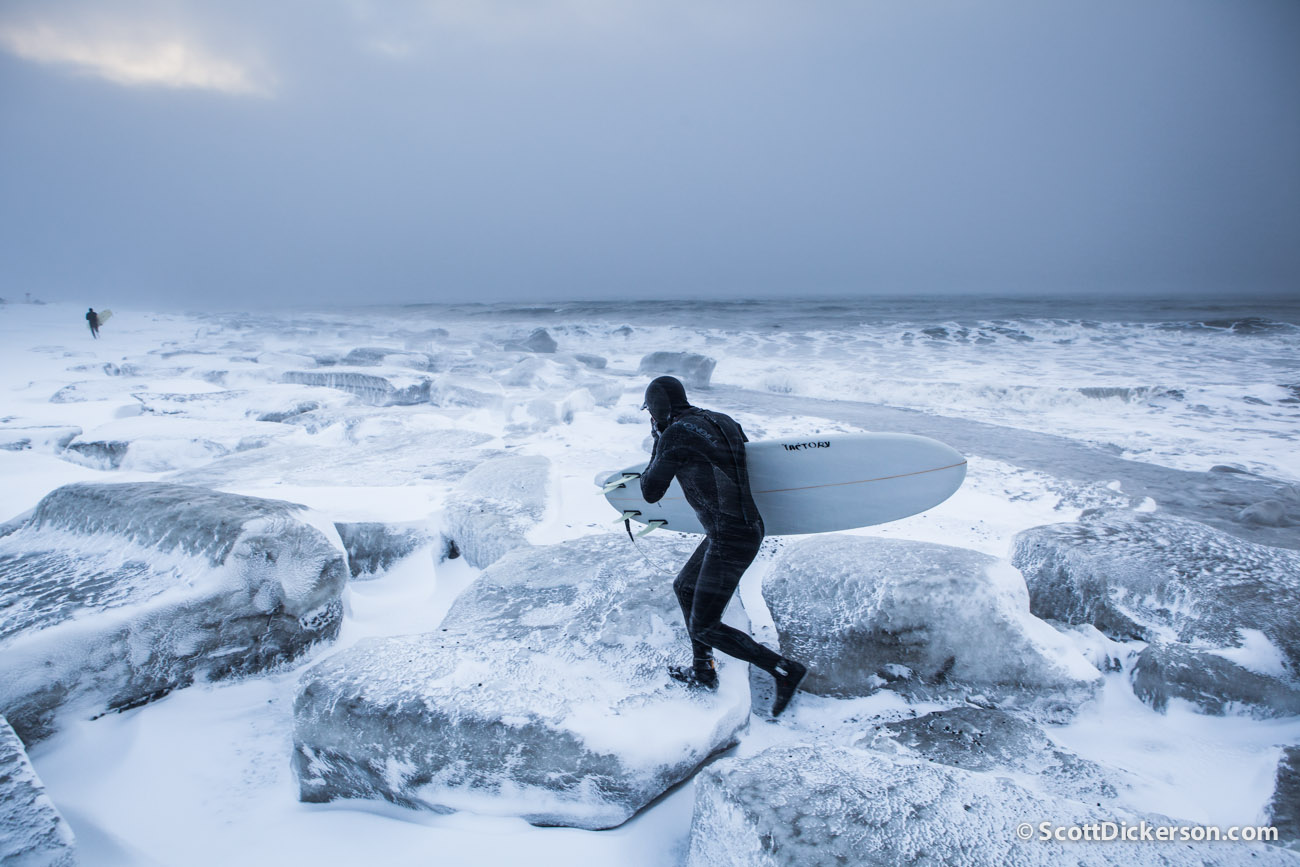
203 776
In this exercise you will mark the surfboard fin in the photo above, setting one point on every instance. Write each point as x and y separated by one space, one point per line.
621 483
627 515
654 524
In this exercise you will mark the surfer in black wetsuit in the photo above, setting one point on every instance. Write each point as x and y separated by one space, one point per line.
93 319
704 451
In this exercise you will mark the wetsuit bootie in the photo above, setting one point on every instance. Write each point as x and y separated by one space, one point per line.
702 675
788 673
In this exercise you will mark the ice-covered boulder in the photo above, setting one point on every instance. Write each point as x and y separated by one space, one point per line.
99 454
595 362
393 388
374 356
543 695
863 613
810 805
45 438
150 444
112 595
495 505
1214 684
1283 810
1147 576
540 340
468 390
693 370
32 831
92 390
983 739
373 546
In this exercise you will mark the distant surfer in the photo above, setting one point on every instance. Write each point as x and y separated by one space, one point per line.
93 318
705 452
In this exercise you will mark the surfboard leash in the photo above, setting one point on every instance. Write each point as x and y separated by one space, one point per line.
627 524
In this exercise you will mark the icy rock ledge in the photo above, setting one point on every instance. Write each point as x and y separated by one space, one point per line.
112 595
818 805
864 613
543 695
1185 585
32 832
494 506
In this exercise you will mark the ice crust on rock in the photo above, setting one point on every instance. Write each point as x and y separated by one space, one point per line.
1154 577
539 340
396 455
32 831
1214 684
112 595
391 388
864 612
693 370
495 505
543 695
45 438
818 805
373 546
985 739
1283 810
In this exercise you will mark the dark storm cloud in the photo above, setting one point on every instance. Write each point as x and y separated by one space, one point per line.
292 152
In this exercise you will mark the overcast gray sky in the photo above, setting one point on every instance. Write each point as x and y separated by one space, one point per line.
225 154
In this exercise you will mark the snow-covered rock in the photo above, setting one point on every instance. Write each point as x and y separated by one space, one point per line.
1147 576
693 370
495 505
374 356
983 739
393 388
91 390
99 454
44 438
373 546
150 444
112 595
466 390
809 805
1214 684
595 362
540 340
863 612
32 831
543 695
1283 810
354 458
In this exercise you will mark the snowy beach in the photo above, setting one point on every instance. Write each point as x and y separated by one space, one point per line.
437 447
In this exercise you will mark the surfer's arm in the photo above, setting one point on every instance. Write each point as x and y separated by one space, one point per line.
663 467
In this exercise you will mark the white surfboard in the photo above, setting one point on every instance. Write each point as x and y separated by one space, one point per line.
104 316
817 485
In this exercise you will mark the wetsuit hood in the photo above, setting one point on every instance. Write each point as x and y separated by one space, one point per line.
665 397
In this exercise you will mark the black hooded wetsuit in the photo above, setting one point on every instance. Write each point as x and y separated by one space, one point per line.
704 451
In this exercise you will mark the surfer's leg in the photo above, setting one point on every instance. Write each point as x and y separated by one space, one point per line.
684 587
725 561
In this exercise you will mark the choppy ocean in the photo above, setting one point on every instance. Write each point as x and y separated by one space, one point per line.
1183 384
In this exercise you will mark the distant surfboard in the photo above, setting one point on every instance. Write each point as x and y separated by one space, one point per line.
817 485
104 316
